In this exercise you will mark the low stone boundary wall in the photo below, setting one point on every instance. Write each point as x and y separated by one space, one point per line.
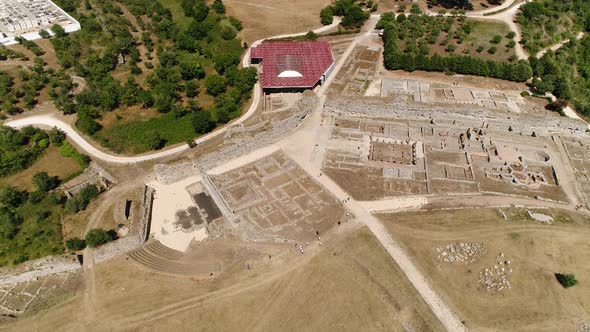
116 248
145 220
37 268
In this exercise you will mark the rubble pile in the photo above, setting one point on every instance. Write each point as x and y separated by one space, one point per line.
495 279
463 252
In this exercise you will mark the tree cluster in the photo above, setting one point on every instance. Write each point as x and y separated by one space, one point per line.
19 149
546 22
352 13
83 198
416 56
565 73
173 81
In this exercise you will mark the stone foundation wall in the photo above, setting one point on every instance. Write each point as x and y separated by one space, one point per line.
389 108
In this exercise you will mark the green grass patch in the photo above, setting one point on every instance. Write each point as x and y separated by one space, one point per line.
67 150
131 136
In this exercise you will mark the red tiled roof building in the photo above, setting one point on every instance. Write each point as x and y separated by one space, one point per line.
293 65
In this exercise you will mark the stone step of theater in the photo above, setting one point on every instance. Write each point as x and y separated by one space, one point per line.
157 257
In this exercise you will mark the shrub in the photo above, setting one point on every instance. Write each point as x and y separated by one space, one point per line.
44 34
566 280
75 244
36 197
44 182
73 205
492 50
98 236
310 35
88 193
58 31
496 39
511 35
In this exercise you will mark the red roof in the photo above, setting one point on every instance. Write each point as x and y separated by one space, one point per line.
309 58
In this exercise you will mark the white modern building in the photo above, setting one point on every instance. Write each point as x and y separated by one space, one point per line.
26 18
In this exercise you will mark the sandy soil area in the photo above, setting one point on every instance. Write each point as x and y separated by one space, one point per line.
169 199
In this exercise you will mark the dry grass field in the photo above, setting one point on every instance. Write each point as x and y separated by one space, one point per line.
350 283
535 301
266 18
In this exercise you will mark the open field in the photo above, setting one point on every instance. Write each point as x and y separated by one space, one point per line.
351 284
51 162
275 17
534 251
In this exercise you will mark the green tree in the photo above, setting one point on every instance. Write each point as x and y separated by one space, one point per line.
97 237
191 88
354 17
327 15
215 85
202 122
75 244
201 10
224 61
44 182
88 193
86 122
130 92
56 136
218 7
191 70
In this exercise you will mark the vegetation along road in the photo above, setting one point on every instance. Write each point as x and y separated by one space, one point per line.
90 149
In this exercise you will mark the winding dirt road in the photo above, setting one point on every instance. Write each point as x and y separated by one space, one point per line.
49 121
